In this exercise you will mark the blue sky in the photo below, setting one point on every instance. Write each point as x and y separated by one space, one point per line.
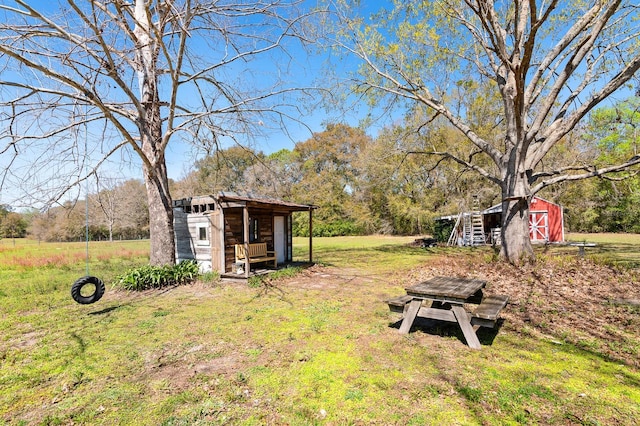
306 70
299 69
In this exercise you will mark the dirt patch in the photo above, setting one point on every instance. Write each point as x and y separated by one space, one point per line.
176 369
326 278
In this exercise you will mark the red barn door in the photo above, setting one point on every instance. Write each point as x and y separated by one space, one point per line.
539 226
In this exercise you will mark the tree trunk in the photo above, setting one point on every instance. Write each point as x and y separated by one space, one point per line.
150 126
157 184
516 244
160 216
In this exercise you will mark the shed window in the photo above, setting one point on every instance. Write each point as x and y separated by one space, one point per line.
202 235
254 234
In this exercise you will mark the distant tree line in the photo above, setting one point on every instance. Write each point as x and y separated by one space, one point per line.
363 184
366 185
114 212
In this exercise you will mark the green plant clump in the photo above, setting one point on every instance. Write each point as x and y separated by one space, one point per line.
147 277
259 280
210 277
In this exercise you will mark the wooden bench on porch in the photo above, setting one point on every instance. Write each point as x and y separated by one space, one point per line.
257 253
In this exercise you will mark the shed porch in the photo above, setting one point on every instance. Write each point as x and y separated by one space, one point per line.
209 229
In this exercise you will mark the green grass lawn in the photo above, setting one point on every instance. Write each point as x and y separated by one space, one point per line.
316 348
619 249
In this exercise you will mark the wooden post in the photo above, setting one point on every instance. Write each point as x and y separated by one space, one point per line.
245 235
465 325
222 260
410 316
214 241
310 235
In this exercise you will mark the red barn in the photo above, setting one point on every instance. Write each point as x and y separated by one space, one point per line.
546 220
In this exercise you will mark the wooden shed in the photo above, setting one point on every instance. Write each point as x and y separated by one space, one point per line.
211 228
546 220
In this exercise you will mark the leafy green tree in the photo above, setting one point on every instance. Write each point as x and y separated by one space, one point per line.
4 211
224 170
329 178
400 190
615 131
548 63
13 225
613 134
273 175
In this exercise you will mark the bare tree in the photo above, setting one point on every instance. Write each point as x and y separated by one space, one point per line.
141 74
106 201
549 62
117 205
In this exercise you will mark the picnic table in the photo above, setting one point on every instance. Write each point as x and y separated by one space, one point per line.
448 296
581 246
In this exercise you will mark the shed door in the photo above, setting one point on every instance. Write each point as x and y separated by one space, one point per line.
279 238
539 226
215 238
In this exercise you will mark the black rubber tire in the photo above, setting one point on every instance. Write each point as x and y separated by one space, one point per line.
81 282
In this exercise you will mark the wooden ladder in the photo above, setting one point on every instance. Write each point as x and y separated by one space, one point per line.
472 227
476 225
467 229
453 238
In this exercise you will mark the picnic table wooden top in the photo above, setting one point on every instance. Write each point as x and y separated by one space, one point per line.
449 289
584 244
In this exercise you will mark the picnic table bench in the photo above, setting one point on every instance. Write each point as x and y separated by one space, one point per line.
448 296
256 253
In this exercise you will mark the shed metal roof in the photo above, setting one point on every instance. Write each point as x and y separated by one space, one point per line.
262 199
498 207
248 198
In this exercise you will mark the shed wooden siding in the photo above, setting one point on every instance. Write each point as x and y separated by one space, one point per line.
188 245
216 240
538 208
232 235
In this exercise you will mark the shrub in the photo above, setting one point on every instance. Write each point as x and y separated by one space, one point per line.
146 277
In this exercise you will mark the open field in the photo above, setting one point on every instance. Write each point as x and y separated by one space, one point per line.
320 347
619 249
